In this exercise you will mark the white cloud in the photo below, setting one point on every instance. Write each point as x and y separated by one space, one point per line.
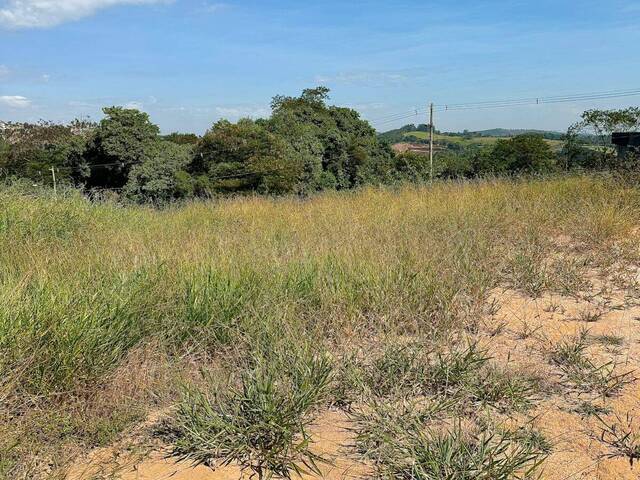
243 112
48 13
214 7
14 101
363 78
78 103
134 105
4 71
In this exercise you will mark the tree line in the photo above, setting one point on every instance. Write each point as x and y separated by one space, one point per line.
585 147
305 146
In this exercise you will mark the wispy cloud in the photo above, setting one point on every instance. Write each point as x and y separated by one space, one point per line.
362 78
214 7
21 75
48 13
4 72
243 112
82 104
368 107
134 105
15 101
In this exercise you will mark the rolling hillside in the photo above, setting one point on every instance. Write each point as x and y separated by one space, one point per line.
476 140
419 133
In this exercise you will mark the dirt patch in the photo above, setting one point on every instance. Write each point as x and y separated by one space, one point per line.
520 332
528 329
132 460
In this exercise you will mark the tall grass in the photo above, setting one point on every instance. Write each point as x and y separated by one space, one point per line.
83 284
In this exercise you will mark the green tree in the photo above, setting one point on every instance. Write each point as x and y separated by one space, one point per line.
412 166
458 162
336 147
162 176
527 153
123 139
600 124
182 138
245 156
306 147
32 150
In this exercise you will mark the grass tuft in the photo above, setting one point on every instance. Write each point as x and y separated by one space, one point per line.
571 358
262 425
622 437
409 448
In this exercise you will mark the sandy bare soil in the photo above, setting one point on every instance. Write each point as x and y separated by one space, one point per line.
135 460
518 331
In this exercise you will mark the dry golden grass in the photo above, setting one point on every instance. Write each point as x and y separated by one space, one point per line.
86 289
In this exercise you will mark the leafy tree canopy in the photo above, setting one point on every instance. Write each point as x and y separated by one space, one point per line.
527 153
122 139
601 124
162 176
245 156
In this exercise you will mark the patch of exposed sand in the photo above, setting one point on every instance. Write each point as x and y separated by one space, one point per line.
521 331
330 435
528 329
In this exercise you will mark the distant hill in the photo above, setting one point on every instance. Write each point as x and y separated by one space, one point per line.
411 136
417 133
398 135
512 132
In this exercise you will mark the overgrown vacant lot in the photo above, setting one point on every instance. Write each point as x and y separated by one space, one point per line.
486 330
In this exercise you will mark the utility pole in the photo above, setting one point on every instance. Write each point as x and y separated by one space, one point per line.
53 174
431 142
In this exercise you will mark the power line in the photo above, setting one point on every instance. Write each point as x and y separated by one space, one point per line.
119 164
595 97
513 102
540 100
400 118
408 113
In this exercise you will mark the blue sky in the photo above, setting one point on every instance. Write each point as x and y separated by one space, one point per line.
190 62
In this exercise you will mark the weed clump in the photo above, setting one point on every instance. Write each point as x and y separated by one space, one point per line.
532 438
571 358
622 437
408 370
609 340
452 370
412 371
262 424
503 389
409 447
